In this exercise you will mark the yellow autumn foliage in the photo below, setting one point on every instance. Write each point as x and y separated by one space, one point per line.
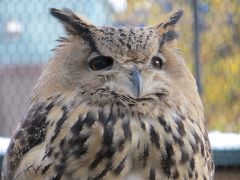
222 94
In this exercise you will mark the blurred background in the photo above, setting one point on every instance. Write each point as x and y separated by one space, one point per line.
210 43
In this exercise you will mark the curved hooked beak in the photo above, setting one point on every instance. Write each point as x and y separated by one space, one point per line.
136 79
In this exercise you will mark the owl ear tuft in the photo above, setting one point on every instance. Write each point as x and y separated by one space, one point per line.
170 22
74 24
166 29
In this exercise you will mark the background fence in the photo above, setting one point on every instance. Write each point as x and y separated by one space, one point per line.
210 33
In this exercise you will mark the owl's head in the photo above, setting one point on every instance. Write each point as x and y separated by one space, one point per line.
117 64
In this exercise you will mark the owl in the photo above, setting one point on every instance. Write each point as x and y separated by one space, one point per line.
113 103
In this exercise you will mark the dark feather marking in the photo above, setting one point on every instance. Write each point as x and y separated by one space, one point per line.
107 149
44 170
166 127
171 35
77 127
123 34
62 39
31 133
81 151
129 39
107 152
176 174
89 119
180 114
112 29
121 114
110 152
102 117
121 41
147 39
52 123
56 155
121 143
108 131
202 148
121 166
185 157
192 164
143 126
48 152
152 175
154 137
77 144
160 95
49 107
178 140
181 129
108 135
60 123
145 155
167 161
127 130
168 36
190 174
59 170
196 175
199 141
98 158
195 147
62 143
103 173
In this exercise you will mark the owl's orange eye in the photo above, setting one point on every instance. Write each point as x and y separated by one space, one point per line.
100 63
157 62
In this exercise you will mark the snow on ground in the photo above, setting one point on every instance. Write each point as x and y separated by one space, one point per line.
219 141
3 145
224 140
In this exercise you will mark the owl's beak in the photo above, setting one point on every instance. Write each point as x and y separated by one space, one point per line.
136 79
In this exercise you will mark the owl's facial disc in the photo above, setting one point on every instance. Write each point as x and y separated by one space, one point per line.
125 60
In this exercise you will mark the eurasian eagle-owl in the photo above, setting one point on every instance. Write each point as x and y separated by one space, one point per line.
113 103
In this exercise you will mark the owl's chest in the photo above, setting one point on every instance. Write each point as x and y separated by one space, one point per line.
111 144
124 148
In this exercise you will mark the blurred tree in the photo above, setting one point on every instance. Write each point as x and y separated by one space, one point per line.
221 61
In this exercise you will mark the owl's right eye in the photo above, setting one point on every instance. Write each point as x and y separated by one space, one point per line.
100 63
157 62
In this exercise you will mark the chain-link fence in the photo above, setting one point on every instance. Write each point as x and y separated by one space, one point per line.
28 33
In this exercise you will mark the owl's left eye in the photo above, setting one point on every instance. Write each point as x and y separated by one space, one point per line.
100 63
157 62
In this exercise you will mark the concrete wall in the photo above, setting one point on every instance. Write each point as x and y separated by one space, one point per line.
227 173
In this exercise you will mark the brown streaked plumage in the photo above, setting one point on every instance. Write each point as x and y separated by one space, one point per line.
113 103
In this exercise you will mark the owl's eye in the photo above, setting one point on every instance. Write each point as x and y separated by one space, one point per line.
157 62
100 63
